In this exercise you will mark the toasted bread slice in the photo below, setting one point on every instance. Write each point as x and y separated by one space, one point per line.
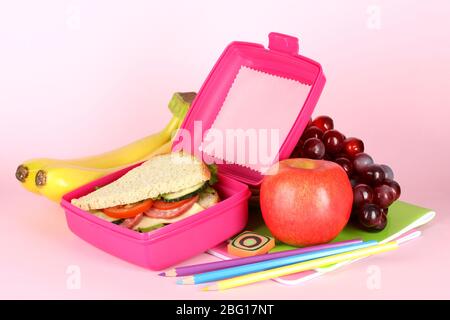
161 174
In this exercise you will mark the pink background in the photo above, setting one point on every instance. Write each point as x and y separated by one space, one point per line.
81 77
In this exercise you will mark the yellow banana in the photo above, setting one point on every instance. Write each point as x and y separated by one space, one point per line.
131 153
58 179
26 172
55 181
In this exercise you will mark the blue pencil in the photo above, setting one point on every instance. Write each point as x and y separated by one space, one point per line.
269 264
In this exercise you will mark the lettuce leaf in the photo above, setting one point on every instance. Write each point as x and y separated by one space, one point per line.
213 169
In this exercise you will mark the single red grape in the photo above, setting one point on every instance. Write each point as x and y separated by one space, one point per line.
388 172
395 186
369 216
372 175
381 223
312 132
345 164
384 196
313 149
362 194
353 146
361 161
324 123
333 141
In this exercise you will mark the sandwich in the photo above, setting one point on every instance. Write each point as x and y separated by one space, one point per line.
164 189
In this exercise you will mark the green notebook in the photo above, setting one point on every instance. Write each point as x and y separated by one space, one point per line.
403 218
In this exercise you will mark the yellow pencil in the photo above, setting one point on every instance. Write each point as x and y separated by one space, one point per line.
298 267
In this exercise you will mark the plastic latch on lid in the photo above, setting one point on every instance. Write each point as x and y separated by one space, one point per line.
283 43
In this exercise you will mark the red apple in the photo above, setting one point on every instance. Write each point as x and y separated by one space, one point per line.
306 202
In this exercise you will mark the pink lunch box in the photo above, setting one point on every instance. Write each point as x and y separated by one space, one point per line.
181 240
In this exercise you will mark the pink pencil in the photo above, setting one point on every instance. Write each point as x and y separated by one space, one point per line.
210 266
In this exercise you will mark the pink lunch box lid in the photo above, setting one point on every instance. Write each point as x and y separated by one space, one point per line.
280 59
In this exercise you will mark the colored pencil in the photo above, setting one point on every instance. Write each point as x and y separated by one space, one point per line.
299 267
210 266
270 264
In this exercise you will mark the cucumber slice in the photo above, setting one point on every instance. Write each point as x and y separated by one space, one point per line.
118 222
103 216
151 228
185 193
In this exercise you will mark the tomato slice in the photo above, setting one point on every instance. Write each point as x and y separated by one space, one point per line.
128 210
171 213
164 205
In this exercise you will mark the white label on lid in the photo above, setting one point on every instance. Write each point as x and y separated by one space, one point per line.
255 119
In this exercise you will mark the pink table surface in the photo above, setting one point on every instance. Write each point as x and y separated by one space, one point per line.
74 72
38 250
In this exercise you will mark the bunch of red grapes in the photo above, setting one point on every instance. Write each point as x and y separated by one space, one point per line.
374 187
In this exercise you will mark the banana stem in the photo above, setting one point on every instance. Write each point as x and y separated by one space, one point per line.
180 103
